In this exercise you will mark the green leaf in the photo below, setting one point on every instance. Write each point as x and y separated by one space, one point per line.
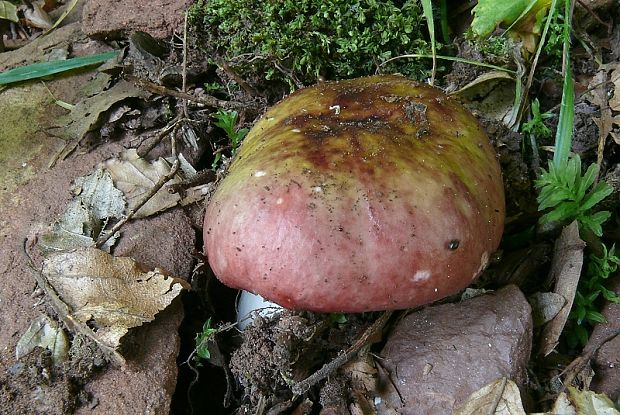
610 295
595 316
582 334
594 222
564 133
8 11
488 14
600 192
587 180
553 196
43 69
567 210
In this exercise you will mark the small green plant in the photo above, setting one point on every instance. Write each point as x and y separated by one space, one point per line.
572 196
563 189
211 87
227 121
585 312
536 125
202 342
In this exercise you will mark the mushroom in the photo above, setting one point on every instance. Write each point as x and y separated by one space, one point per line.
367 194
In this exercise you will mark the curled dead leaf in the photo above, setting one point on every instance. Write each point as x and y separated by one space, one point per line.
501 397
44 332
565 270
135 177
109 294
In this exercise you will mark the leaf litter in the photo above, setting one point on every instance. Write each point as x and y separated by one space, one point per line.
565 270
45 333
96 201
109 294
135 177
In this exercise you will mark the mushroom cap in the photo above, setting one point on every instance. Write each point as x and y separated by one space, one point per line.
367 194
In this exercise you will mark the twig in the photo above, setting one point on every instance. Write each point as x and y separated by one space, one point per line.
572 370
63 311
207 100
184 67
160 136
596 17
160 183
302 387
242 83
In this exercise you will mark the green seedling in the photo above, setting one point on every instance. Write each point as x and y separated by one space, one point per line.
227 121
572 196
563 189
585 312
213 87
202 342
536 125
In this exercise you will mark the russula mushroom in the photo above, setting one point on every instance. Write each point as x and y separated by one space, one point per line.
368 194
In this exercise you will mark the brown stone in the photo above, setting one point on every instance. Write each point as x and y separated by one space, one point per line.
440 355
114 18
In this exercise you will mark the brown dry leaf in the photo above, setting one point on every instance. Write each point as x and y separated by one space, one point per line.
598 84
501 397
95 202
614 102
545 306
88 114
565 270
135 177
111 294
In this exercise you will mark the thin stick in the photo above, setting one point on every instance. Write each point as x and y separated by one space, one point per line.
572 370
207 100
160 183
302 387
184 67
63 311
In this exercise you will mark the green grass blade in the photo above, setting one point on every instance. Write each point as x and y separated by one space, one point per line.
450 58
427 10
564 134
43 69
443 16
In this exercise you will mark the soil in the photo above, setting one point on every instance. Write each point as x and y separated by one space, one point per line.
254 370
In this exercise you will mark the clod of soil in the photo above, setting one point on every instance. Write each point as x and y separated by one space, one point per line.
367 194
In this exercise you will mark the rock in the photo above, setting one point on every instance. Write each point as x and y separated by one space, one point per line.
440 355
166 241
111 19
606 361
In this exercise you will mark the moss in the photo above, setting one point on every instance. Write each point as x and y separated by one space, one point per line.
303 40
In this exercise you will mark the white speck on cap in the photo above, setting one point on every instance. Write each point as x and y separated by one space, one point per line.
421 275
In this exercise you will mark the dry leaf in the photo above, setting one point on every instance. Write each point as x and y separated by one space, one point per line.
111 294
614 102
590 403
44 333
565 270
135 177
96 201
545 306
87 114
37 17
501 397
